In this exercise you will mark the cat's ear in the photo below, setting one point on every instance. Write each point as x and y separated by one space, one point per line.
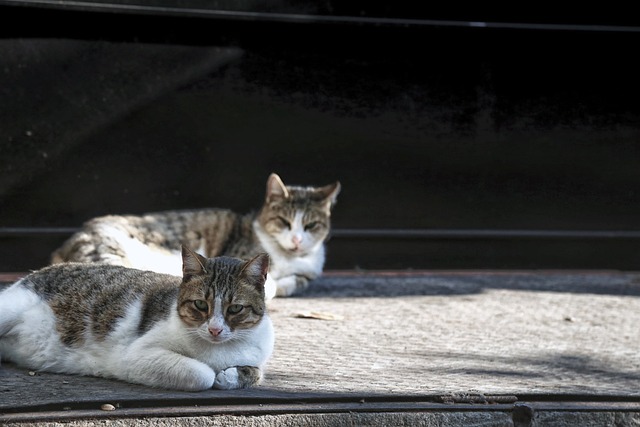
255 270
330 193
276 188
192 263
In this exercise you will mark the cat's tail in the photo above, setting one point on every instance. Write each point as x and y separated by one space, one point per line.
14 300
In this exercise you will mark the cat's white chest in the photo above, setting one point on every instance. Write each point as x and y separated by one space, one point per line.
284 264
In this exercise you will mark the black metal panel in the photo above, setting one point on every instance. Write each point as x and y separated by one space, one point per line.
428 127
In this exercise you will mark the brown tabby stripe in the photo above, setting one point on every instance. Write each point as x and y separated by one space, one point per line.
93 297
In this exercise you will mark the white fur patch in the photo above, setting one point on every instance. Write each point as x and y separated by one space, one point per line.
143 257
286 286
14 301
27 327
227 379
270 288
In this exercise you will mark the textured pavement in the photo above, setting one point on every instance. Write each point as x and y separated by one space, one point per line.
506 333
496 339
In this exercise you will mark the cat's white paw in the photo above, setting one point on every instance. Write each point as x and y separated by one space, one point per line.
270 287
238 377
227 379
286 286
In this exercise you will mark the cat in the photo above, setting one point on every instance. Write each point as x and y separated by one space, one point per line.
292 227
208 330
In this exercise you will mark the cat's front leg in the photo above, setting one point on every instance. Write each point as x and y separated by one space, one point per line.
290 285
238 377
167 369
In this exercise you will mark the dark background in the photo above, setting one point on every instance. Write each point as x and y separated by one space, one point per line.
470 143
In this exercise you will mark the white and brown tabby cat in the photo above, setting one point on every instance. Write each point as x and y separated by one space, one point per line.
209 329
291 227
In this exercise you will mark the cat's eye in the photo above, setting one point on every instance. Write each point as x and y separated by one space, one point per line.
311 226
201 305
284 222
235 308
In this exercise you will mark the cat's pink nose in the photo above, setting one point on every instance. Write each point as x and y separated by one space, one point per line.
297 240
215 331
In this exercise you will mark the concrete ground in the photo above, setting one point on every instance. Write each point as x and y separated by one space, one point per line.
490 348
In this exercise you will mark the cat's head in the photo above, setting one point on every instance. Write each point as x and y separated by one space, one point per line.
297 218
222 298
